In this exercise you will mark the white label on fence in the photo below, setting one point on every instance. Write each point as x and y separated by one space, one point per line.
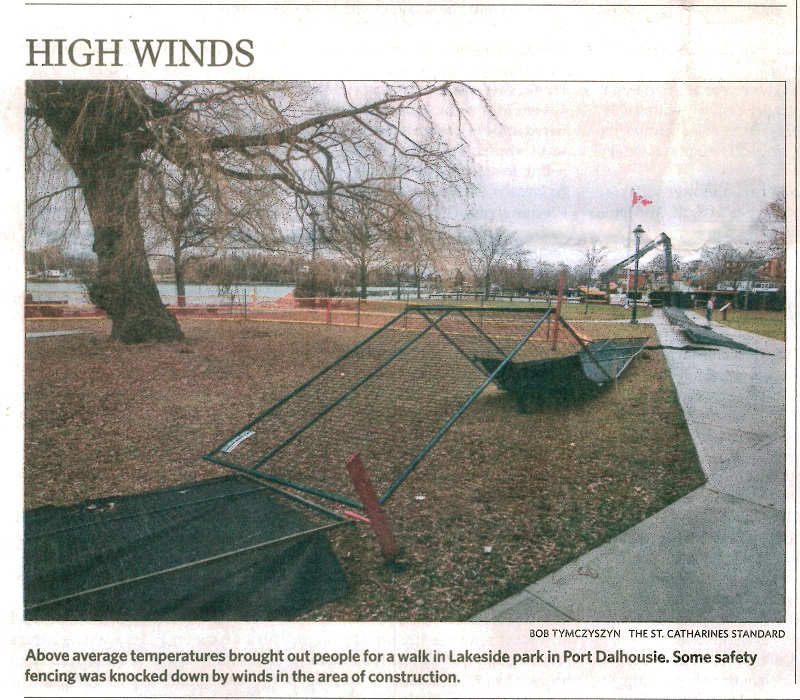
233 444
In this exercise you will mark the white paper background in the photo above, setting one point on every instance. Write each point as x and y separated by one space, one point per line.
634 43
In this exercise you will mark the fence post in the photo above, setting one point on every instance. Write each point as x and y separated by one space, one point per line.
558 308
328 311
366 494
358 312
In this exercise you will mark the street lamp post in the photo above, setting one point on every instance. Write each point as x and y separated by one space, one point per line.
637 232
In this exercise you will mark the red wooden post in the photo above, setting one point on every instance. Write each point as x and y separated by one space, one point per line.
369 500
558 308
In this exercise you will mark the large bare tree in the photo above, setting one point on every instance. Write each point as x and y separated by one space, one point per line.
592 258
773 223
370 231
731 265
180 212
191 216
487 248
332 145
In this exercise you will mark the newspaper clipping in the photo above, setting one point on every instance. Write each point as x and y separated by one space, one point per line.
437 350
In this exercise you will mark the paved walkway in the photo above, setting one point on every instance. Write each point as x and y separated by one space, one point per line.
718 554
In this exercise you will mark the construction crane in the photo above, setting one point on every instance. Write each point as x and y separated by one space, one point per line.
662 240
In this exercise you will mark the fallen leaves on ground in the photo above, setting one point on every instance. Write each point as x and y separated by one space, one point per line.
502 500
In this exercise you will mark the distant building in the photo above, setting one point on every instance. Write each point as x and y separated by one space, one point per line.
774 268
758 286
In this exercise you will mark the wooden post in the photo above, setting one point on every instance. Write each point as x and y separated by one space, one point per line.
366 494
328 311
558 308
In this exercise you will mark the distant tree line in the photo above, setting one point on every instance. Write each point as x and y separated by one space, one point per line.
455 269
54 257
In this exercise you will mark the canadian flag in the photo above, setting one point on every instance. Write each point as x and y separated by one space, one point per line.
638 199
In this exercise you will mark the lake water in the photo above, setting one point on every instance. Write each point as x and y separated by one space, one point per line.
75 293
200 294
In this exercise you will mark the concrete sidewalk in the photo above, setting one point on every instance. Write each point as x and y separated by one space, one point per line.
718 554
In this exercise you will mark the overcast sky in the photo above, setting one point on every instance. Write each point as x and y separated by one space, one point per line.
559 167
558 164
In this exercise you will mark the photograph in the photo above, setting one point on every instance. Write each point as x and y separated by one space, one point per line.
395 351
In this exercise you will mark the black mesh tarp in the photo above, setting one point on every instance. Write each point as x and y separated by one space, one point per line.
571 378
219 549
543 381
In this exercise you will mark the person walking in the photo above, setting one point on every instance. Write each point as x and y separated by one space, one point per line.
709 309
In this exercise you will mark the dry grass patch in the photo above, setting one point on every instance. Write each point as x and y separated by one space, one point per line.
103 418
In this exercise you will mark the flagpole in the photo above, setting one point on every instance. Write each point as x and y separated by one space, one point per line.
628 244
630 221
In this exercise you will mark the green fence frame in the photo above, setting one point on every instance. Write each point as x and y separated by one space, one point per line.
432 316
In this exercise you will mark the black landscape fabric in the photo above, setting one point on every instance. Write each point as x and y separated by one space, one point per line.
538 381
78 548
570 378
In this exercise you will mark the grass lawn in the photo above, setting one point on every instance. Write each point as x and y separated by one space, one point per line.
569 310
538 490
601 312
771 324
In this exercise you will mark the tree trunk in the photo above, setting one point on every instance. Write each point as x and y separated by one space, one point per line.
124 286
363 272
180 287
418 280
363 276
100 129
586 301
180 282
